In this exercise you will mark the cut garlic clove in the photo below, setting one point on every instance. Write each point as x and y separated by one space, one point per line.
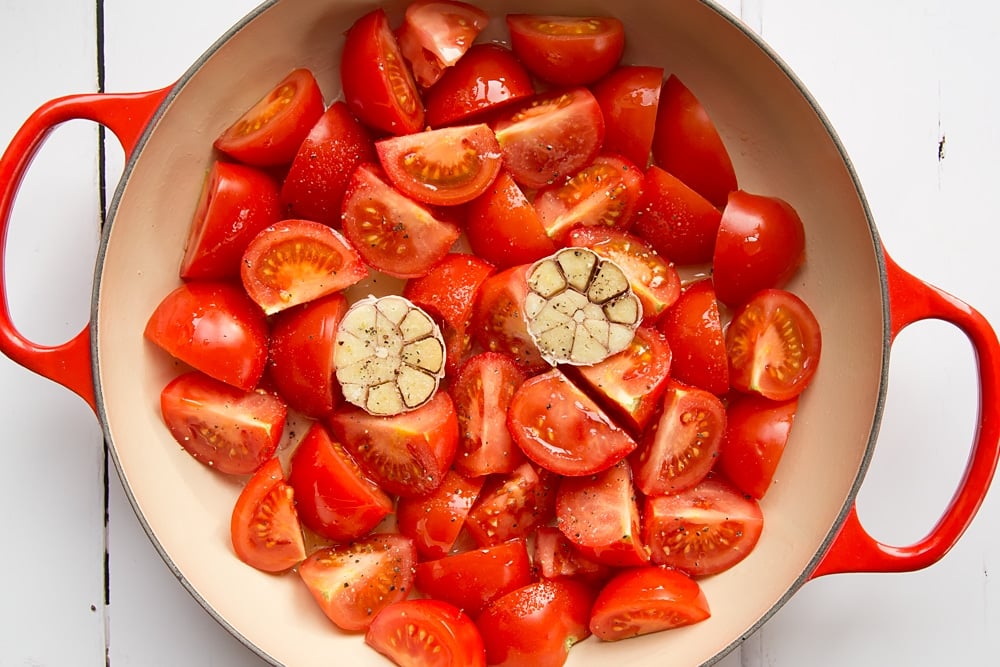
389 356
580 308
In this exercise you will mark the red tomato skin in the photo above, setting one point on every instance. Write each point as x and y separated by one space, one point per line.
648 599
503 227
688 145
434 521
230 430
214 327
444 635
300 355
562 429
564 50
676 221
236 202
370 64
537 624
436 34
756 434
270 133
487 77
760 244
470 580
693 327
449 289
629 97
317 179
264 527
333 497
510 506
498 323
556 557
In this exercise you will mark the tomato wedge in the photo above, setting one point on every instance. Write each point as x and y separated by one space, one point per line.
555 557
272 130
629 97
773 343
644 600
757 431
436 34
676 221
693 327
503 227
442 167
449 290
434 521
228 429
498 319
511 506
353 582
426 633
264 527
567 50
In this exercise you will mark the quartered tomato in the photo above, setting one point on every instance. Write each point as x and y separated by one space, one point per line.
498 320
511 506
693 327
629 97
644 600
567 50
436 34
487 77
264 527
757 431
315 184
272 130
406 454
394 233
676 221
228 429
550 136
296 261
443 167
599 516
426 633
555 557
503 227
562 429
236 202
774 344
681 447
687 144
377 83
214 327
435 520
602 194
703 530
353 582
333 496
472 579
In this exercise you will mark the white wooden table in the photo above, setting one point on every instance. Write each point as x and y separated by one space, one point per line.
912 92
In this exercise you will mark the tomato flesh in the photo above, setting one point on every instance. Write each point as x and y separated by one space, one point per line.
265 528
498 323
503 227
693 327
757 431
644 600
436 34
511 506
629 97
426 633
434 521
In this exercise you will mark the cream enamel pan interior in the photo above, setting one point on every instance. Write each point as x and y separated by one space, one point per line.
781 145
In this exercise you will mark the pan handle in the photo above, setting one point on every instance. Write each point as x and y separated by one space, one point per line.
854 550
127 116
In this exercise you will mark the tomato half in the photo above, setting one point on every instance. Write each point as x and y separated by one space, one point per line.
214 327
562 429
681 447
487 77
567 50
436 34
503 227
264 527
693 327
443 167
602 194
511 506
353 582
296 261
688 145
228 429
760 244
498 319
703 530
774 345
407 454
644 600
599 516
333 496
757 431
629 97
472 579
555 557
315 184
676 221
426 633
537 624
271 131
236 202
377 83
395 234
550 136
435 520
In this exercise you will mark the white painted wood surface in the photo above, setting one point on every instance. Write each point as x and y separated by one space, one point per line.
909 88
